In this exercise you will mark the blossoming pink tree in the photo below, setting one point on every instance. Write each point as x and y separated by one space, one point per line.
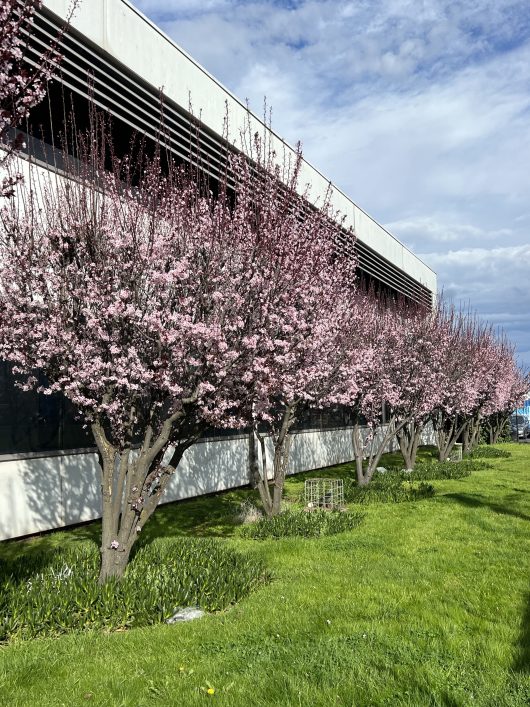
404 375
471 369
442 366
298 301
457 393
500 385
512 390
463 374
22 86
370 344
310 371
420 374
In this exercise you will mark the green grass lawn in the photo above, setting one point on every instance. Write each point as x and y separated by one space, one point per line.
426 603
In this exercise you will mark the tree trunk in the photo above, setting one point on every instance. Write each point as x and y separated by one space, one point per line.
491 435
358 453
443 432
113 562
132 483
467 438
475 440
377 449
409 438
495 425
259 479
471 434
281 461
130 498
447 430
282 448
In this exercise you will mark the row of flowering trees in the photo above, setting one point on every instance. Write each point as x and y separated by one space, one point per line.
159 308
160 304
441 368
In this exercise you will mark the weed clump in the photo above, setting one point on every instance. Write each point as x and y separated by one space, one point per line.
58 592
387 487
488 451
303 523
428 471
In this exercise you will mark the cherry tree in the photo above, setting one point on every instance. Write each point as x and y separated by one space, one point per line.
501 386
370 342
115 288
422 373
487 371
397 343
418 375
512 391
22 85
456 395
439 365
470 367
313 370
300 297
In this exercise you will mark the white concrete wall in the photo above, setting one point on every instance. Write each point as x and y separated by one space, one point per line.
47 492
42 493
52 492
131 39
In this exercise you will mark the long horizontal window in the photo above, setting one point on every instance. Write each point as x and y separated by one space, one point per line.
31 422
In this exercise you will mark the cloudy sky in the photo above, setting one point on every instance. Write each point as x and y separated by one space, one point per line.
418 109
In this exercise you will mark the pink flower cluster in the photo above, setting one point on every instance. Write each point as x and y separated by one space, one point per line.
144 298
21 87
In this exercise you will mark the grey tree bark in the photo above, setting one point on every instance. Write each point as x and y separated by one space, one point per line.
282 446
409 438
132 484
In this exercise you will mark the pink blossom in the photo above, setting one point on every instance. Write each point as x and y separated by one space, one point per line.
21 86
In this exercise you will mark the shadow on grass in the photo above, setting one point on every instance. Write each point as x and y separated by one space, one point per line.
476 501
26 557
522 663
26 565
206 516
426 453
49 542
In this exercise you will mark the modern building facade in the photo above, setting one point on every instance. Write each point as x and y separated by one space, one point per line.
117 58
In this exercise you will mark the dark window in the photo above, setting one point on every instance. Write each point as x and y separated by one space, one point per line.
32 422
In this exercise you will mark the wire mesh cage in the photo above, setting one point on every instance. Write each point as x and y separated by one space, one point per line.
456 453
324 493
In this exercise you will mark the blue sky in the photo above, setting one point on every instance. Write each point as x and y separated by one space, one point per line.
418 109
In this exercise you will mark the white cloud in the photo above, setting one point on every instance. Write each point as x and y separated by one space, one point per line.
443 228
169 7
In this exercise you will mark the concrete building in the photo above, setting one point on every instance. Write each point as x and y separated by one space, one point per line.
118 57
